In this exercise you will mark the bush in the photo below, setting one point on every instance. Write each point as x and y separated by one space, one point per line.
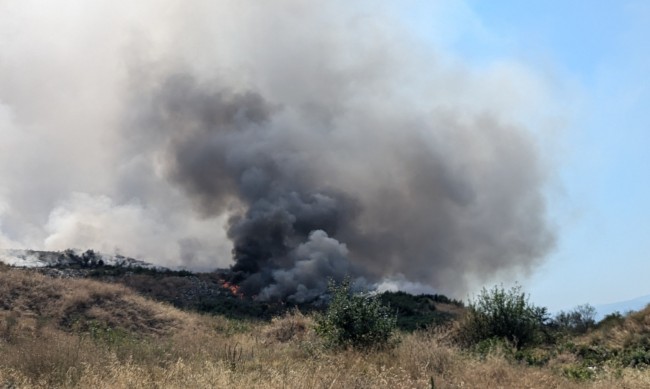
503 314
578 372
416 312
355 320
611 320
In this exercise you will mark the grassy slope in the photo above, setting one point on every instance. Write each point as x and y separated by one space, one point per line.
83 333
622 342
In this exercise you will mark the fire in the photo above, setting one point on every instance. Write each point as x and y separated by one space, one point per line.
234 289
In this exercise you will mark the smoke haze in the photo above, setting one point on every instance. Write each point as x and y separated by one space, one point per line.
292 142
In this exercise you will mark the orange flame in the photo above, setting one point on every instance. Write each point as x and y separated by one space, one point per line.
234 289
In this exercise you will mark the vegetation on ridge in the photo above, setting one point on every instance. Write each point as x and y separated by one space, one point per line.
355 320
71 332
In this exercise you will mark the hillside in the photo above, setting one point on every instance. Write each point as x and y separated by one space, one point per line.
618 340
210 292
70 332
34 299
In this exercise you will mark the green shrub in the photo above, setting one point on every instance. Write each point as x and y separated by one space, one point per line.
578 372
416 312
503 314
355 320
577 321
592 355
610 321
534 356
637 357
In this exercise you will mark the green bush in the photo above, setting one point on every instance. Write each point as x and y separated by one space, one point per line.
578 372
504 314
610 321
534 356
637 357
355 320
416 312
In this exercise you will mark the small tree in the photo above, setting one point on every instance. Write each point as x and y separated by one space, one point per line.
503 314
577 321
356 320
611 320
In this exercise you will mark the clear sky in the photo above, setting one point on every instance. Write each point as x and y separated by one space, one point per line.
596 55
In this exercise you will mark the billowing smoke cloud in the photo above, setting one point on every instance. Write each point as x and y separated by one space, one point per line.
312 143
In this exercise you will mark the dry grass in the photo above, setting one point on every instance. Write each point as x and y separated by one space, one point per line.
634 330
240 360
68 304
167 348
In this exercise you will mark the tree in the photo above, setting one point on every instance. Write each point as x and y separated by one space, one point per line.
356 320
503 314
577 321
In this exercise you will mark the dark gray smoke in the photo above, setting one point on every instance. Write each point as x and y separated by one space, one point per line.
226 154
324 141
433 198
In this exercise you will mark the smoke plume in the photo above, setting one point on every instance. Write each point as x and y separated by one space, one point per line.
295 143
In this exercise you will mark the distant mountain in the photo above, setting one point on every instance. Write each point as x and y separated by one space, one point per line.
622 306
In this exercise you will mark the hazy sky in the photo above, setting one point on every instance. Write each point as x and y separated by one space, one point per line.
594 53
548 93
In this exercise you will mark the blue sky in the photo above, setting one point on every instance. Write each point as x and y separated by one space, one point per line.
596 53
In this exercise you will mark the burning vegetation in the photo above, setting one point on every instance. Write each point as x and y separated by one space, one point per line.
234 289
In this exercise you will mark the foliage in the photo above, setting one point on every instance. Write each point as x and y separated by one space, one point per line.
236 308
578 372
611 320
635 357
592 355
577 321
102 332
356 320
504 314
417 312
119 270
534 356
88 259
